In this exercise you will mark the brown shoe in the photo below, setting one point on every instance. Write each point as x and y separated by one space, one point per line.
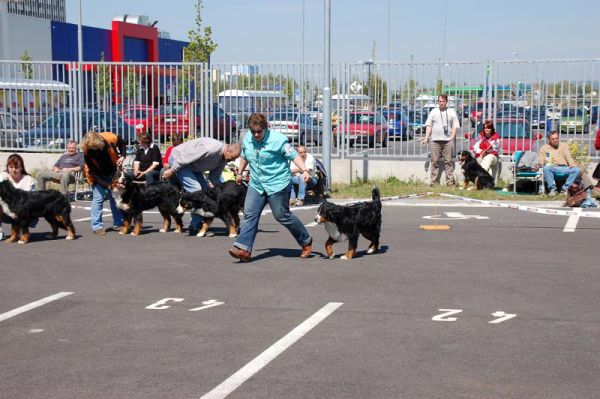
240 254
306 251
100 232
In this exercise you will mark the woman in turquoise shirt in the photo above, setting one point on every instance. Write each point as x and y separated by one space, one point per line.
268 154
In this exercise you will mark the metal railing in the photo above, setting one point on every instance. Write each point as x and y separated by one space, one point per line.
378 109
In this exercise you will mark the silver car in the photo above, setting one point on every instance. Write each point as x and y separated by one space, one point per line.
296 126
10 130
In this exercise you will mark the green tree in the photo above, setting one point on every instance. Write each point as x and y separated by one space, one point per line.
26 67
103 83
201 44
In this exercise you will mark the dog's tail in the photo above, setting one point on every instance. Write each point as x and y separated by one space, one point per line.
376 196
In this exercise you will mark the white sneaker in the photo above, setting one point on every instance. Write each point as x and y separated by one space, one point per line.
1 235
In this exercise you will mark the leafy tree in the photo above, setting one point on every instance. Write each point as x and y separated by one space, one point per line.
26 67
103 83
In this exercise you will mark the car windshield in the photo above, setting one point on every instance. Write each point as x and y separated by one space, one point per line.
362 118
572 113
513 130
278 116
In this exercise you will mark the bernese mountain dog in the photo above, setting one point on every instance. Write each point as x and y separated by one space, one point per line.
474 173
224 202
347 222
23 207
134 198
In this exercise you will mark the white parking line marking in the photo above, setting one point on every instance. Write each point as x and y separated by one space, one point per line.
256 364
33 305
572 222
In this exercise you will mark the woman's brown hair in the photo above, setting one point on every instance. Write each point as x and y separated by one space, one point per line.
16 161
489 124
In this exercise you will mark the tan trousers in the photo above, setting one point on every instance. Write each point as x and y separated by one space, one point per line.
444 149
64 178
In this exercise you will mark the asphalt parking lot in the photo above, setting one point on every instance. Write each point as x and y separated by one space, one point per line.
504 304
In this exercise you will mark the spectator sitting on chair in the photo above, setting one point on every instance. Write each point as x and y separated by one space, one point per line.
486 148
63 170
309 163
148 161
555 158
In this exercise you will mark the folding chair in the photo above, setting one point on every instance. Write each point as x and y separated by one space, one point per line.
80 184
536 176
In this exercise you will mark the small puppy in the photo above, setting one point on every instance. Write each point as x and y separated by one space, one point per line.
474 173
347 222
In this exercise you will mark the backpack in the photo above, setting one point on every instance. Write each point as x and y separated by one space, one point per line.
527 161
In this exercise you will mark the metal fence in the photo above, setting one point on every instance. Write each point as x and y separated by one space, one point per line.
378 109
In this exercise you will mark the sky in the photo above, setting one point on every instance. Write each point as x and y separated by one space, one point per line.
248 31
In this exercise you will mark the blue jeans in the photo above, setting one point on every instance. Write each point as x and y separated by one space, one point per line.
297 179
191 182
279 202
572 172
99 195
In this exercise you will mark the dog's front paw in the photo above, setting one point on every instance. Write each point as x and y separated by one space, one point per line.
332 256
201 234
21 242
133 233
371 251
69 238
162 231
343 257
233 235
471 188
178 231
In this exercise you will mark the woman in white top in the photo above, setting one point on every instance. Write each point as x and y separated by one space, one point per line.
19 178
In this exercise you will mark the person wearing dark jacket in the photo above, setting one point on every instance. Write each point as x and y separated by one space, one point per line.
104 154
148 161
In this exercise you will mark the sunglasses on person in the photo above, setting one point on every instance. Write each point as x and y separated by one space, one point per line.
257 131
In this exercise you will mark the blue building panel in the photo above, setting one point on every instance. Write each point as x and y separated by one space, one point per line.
170 50
64 42
135 50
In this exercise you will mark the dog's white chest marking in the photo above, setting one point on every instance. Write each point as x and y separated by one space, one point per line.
118 196
334 233
7 210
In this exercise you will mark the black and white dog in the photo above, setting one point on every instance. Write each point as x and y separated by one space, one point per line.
224 202
133 199
473 172
22 207
347 222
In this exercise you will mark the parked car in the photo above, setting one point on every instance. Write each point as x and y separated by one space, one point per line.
574 120
537 117
476 112
365 127
57 129
186 117
594 113
416 120
398 124
139 116
515 135
10 130
553 113
297 127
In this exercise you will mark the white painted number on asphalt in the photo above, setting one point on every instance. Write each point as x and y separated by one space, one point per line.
444 316
455 216
160 305
211 303
502 317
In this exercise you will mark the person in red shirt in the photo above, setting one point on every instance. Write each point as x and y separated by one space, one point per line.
177 139
487 147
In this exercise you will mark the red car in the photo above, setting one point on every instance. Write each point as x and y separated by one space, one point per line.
139 116
186 117
365 127
515 135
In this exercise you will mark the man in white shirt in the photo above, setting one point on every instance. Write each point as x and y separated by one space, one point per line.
309 162
441 125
